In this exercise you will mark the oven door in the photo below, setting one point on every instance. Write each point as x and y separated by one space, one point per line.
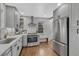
32 38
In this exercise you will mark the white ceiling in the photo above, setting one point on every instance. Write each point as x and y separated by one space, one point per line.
35 9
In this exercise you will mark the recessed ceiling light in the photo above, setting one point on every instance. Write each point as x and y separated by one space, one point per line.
59 4
22 13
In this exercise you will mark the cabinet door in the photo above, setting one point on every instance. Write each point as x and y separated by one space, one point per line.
24 40
8 52
75 14
3 15
17 18
19 44
10 16
0 15
62 11
14 50
74 36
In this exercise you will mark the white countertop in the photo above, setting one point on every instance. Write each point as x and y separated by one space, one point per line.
4 47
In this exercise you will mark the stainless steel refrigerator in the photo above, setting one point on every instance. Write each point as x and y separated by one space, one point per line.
61 34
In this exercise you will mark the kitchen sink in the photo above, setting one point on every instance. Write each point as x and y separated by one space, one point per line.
7 41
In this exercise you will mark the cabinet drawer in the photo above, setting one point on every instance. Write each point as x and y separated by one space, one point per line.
60 48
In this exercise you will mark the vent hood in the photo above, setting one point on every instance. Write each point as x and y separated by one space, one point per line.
32 22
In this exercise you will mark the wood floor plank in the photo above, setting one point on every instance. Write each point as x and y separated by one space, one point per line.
44 49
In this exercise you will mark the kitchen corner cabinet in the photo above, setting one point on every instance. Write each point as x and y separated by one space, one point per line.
12 16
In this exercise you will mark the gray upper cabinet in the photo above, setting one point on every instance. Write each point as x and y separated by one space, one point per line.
17 18
62 11
0 15
12 16
75 14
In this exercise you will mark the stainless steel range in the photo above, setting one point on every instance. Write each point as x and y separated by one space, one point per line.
32 39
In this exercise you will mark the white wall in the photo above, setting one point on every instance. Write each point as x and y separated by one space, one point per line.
37 20
48 29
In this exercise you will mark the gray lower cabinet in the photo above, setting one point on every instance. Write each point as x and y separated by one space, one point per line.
61 49
7 52
24 40
19 45
14 49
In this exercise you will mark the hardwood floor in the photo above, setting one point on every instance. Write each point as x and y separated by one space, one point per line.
44 49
